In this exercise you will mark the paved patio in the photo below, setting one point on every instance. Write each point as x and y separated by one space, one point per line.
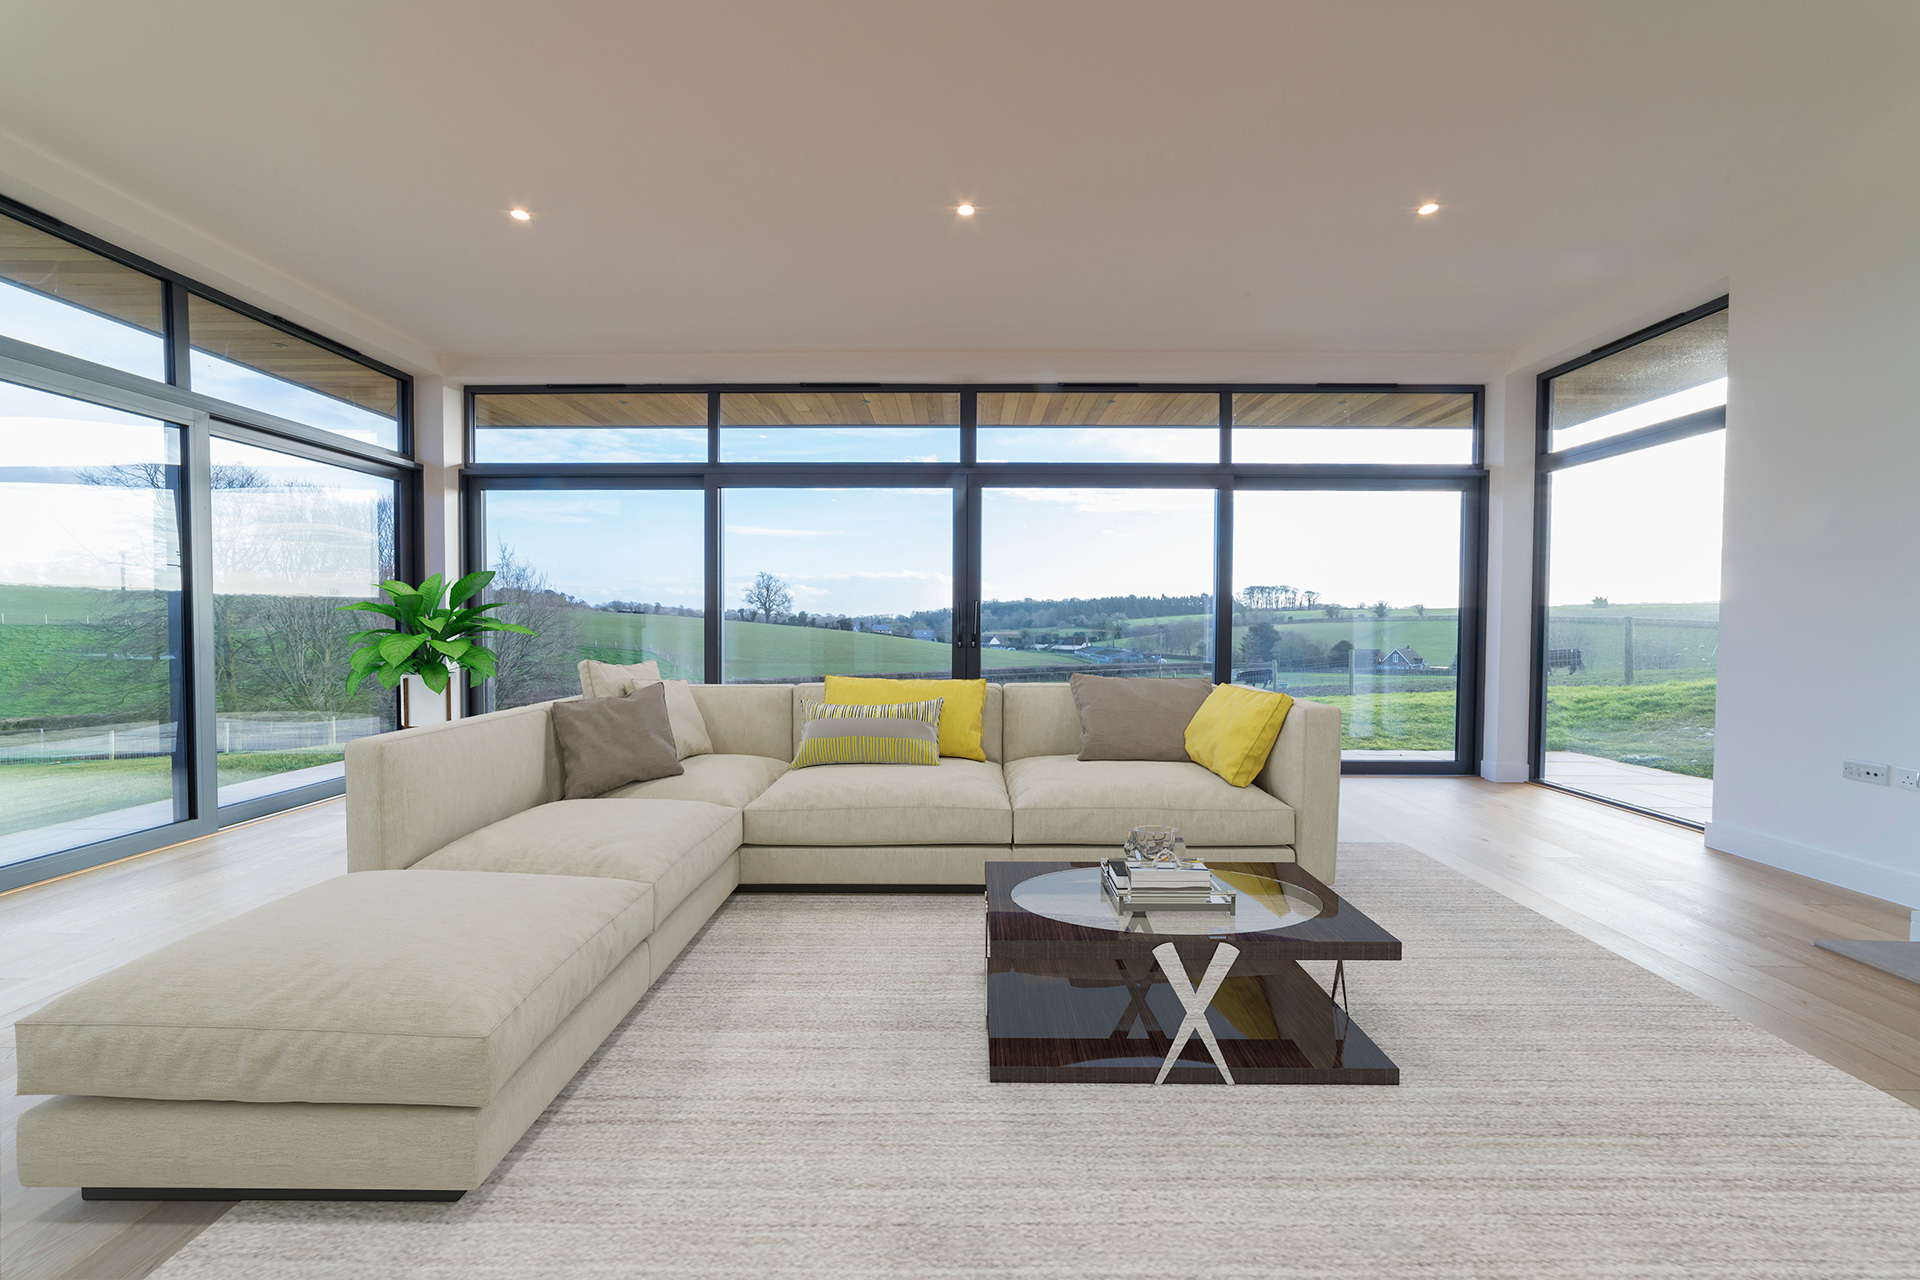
1677 795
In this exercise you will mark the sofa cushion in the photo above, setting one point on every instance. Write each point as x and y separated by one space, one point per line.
611 742
1135 717
734 781
954 802
1040 720
673 845
1063 800
379 987
604 679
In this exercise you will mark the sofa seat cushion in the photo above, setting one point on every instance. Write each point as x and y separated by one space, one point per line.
954 802
378 987
734 781
1064 800
672 845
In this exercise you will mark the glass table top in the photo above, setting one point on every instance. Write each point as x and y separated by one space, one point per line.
1074 897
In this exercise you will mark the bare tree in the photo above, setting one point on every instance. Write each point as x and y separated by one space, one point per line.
538 667
768 595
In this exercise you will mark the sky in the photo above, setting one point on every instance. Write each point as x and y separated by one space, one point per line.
1640 528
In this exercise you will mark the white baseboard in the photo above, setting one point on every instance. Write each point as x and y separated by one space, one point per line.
1843 869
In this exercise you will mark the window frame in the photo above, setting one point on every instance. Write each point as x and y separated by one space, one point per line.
969 478
201 419
1546 463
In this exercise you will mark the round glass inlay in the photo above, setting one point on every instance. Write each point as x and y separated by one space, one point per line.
1074 897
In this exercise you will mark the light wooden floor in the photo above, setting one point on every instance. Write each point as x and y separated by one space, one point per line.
1735 933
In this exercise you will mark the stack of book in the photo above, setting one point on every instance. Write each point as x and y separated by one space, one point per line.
1133 889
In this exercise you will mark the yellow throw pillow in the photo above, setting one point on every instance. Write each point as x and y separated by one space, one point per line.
962 723
1234 731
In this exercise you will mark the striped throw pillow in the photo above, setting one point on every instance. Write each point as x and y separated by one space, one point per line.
892 733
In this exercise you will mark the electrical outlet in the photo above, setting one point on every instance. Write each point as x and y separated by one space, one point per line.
1907 779
1864 771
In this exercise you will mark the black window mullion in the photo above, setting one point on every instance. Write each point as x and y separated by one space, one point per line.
1223 585
178 339
202 723
711 631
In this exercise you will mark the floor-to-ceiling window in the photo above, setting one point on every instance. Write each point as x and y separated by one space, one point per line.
1633 460
188 493
1321 540
611 574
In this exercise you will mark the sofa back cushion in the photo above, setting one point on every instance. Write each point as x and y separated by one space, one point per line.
690 737
607 679
1041 720
748 719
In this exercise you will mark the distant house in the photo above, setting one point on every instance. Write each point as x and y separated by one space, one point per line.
993 642
924 633
1106 653
1405 658
881 628
1365 659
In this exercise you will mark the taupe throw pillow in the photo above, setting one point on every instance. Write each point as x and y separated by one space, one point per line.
609 742
1128 718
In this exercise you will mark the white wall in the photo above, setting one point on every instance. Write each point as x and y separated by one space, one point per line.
1822 558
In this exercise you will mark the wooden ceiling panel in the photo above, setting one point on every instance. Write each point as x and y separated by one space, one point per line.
878 407
592 409
1099 409
1352 409
219 331
47 264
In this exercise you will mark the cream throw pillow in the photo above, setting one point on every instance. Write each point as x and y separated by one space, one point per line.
690 737
607 680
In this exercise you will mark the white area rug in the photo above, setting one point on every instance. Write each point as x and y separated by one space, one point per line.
806 1094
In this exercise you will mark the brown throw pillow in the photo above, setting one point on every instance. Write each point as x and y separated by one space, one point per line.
1129 718
609 742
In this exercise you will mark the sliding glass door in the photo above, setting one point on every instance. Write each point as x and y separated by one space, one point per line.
1634 459
1355 597
91 624
189 490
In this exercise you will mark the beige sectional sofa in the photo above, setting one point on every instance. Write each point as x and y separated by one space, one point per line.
394 1032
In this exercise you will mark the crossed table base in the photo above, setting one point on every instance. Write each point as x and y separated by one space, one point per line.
1072 1003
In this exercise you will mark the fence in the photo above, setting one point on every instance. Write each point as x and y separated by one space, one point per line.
233 734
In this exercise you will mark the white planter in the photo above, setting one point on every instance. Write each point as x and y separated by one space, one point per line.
420 705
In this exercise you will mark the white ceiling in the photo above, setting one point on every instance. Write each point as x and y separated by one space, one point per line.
718 177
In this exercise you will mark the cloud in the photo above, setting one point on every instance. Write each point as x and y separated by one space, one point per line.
757 531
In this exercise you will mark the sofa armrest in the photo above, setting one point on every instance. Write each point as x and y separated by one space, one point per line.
414 792
1303 772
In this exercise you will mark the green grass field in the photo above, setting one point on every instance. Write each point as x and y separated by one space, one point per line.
764 651
1664 726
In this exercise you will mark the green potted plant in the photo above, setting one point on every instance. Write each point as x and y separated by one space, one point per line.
428 635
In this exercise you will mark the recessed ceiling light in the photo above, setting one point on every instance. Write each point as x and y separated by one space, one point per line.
519 215
965 211
1427 208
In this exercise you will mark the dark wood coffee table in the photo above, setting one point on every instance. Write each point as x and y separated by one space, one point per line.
1075 996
